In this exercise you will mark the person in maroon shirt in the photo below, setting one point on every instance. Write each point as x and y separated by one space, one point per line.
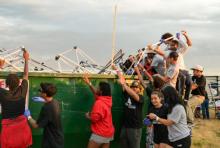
15 129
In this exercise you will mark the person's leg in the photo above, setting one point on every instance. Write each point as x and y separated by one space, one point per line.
134 137
189 113
188 83
156 146
93 144
124 138
105 145
194 101
197 111
207 108
203 110
164 145
181 84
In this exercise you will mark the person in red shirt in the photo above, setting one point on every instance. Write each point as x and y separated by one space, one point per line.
101 116
148 61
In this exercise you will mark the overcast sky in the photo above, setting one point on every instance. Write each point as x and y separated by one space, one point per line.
48 27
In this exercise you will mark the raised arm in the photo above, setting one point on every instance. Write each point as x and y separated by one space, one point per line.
188 40
139 76
126 88
2 62
26 58
157 49
120 76
87 81
146 73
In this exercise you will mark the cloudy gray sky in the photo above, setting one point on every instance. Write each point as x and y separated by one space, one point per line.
48 27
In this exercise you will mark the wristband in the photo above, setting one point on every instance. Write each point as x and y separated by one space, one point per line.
144 70
90 84
157 118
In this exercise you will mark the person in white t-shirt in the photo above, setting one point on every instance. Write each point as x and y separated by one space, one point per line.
181 47
184 79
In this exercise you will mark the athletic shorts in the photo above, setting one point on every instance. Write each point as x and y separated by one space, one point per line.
182 143
161 138
100 139
161 135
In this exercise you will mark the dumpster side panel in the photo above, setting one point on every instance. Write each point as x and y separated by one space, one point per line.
75 100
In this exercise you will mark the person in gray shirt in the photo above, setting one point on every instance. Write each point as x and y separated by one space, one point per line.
172 70
178 131
158 63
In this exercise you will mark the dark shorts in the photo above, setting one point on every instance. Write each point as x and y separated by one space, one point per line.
182 143
161 137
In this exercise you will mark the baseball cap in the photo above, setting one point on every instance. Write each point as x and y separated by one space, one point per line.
150 51
135 84
198 67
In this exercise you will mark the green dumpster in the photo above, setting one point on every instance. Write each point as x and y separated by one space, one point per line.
75 100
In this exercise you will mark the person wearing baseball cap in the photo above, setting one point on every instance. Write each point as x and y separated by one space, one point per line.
197 68
198 91
131 131
135 84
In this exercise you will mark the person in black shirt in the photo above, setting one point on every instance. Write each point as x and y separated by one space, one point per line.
12 107
160 130
132 124
198 91
49 119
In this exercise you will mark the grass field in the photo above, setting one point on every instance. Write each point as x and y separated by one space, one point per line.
206 133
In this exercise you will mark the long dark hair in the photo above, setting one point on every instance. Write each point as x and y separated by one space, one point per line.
172 97
105 89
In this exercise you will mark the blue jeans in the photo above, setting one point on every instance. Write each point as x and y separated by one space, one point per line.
184 84
205 109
